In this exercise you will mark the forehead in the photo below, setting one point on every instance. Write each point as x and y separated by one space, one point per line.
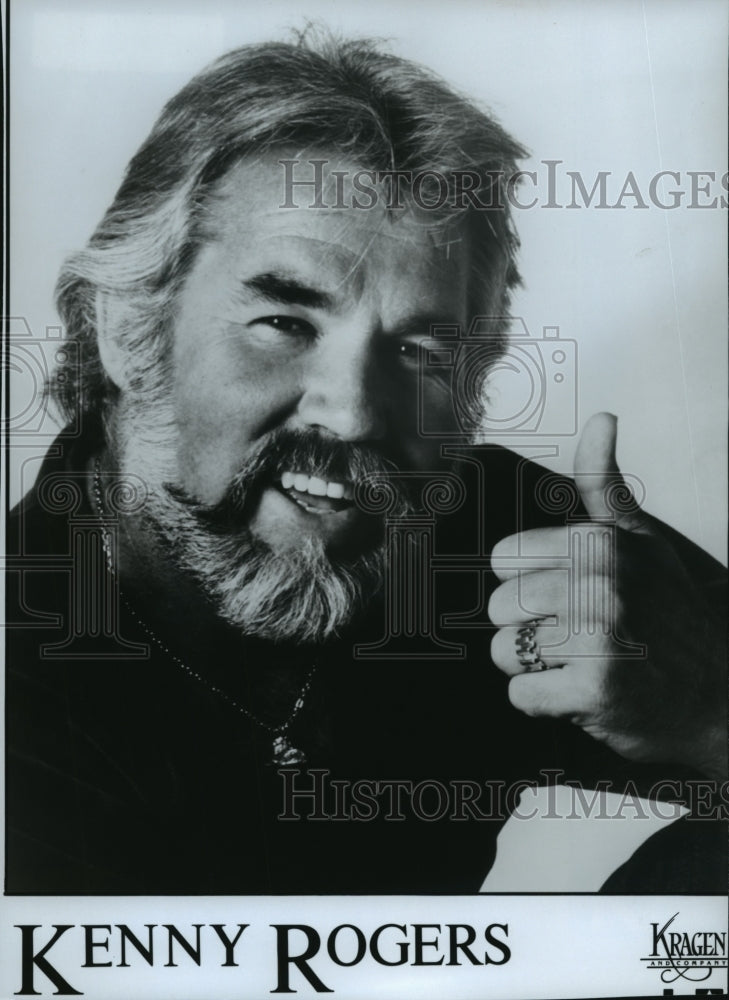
349 250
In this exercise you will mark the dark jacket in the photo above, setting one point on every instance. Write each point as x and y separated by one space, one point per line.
125 774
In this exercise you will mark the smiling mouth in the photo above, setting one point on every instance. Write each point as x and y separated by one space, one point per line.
315 495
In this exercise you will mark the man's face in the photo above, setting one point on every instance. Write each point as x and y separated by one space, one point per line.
309 320
294 376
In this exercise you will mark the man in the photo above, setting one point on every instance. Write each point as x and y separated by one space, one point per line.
268 566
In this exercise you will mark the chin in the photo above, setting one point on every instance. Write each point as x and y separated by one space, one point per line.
294 595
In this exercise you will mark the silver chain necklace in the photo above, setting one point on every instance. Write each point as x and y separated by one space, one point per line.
283 751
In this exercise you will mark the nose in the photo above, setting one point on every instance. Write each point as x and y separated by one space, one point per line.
342 394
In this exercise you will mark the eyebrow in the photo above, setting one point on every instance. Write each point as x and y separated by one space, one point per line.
421 324
282 288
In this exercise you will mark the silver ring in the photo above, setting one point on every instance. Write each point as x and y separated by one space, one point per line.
527 648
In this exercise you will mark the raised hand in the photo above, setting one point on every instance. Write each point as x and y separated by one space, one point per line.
603 623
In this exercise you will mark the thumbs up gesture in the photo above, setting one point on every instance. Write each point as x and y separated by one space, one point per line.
605 623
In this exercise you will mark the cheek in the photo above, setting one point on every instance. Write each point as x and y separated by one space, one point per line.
221 412
420 422
210 442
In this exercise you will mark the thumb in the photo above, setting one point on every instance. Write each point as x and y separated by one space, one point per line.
602 489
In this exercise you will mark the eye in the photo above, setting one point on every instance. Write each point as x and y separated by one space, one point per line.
408 351
289 325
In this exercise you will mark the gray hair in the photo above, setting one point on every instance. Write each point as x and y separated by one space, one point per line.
347 97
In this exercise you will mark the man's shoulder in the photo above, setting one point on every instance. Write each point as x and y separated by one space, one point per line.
37 524
43 532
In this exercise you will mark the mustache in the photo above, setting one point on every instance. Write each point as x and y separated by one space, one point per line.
304 451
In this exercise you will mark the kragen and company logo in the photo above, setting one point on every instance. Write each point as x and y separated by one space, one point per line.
688 955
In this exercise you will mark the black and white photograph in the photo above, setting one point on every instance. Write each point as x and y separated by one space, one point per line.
364 499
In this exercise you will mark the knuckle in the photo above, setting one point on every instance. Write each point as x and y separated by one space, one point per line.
502 649
521 694
506 548
500 604
535 695
494 607
496 648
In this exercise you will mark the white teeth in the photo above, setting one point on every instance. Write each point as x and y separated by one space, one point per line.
316 487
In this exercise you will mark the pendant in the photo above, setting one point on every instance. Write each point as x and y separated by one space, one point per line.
284 753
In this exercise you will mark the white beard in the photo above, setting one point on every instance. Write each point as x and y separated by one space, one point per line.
300 595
